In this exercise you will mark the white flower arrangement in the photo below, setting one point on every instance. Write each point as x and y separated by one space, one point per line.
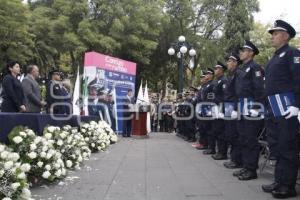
12 176
71 144
98 135
36 152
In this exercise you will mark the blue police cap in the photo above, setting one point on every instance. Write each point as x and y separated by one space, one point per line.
249 45
280 25
235 57
210 71
220 65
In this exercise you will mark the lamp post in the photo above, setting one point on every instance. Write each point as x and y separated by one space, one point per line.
181 47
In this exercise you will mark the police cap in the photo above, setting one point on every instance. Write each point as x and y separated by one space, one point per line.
249 45
280 25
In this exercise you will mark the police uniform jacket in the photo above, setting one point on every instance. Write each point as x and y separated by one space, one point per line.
283 73
218 90
249 82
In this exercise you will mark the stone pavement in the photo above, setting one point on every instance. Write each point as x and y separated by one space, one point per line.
163 167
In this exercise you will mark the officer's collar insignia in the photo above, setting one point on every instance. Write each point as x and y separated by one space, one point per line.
248 69
282 54
207 86
219 81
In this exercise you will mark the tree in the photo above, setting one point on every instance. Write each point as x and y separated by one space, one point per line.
238 23
15 40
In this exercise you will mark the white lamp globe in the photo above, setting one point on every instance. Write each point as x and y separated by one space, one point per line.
181 38
171 51
192 52
183 49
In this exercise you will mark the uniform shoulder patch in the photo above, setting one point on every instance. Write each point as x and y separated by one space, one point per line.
297 60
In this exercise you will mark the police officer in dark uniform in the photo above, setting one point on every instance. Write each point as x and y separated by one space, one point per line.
54 94
218 133
229 105
208 99
249 88
192 122
179 111
283 94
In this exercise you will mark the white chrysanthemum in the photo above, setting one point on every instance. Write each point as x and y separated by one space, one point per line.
25 167
2 148
93 145
86 139
17 139
6 198
51 129
33 147
46 174
48 167
37 140
49 155
45 148
22 175
40 164
80 159
32 155
26 193
8 165
13 156
63 171
43 154
74 131
15 186
60 142
4 155
1 173
48 136
30 133
69 163
58 173
23 134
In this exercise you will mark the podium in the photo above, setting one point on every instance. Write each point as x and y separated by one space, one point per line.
139 121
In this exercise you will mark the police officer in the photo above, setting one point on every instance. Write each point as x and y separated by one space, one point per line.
250 91
208 98
179 110
218 133
283 88
54 94
231 134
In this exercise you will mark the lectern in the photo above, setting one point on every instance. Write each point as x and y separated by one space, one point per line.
139 121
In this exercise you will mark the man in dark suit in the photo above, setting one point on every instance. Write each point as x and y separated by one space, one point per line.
31 88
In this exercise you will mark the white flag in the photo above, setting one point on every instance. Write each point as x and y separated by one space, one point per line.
140 97
147 101
76 95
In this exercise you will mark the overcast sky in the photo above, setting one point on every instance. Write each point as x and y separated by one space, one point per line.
288 10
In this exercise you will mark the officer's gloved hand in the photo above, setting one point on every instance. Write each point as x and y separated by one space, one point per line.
234 115
253 113
291 112
221 115
215 112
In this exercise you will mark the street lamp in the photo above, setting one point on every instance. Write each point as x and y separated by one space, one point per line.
181 47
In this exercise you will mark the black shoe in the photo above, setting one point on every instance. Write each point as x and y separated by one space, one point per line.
283 192
269 188
209 152
219 156
240 172
232 165
248 175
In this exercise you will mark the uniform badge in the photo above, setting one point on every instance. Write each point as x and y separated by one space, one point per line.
56 87
207 86
219 81
257 73
224 86
248 69
282 54
297 60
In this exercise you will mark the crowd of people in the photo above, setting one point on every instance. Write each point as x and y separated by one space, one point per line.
240 101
